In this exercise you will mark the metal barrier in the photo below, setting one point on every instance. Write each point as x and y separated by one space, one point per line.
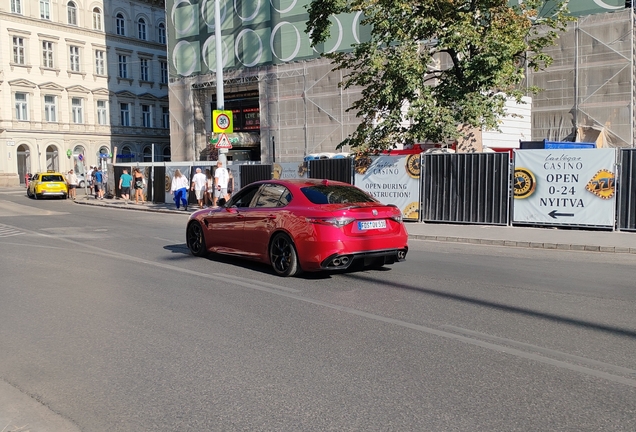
332 169
626 211
466 188
254 173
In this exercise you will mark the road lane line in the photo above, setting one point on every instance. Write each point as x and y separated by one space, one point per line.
280 291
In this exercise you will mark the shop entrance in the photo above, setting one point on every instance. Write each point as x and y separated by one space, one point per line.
24 163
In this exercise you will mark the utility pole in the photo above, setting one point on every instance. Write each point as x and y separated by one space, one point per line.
220 99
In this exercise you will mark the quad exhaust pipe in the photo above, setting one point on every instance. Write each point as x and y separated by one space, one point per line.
340 261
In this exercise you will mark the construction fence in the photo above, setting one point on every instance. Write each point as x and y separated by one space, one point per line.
589 188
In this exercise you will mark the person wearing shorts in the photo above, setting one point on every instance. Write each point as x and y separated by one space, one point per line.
139 182
72 184
221 177
198 186
124 185
97 182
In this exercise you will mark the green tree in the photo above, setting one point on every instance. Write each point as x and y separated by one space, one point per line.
443 64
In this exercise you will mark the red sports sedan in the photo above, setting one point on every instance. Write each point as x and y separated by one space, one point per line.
301 225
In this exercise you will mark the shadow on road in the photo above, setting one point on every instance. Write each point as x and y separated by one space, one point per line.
630 333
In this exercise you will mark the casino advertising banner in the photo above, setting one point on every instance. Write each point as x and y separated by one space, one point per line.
289 170
391 180
565 187
170 170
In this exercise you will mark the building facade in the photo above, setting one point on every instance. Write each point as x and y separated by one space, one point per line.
287 102
81 82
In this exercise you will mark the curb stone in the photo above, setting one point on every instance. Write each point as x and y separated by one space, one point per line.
525 244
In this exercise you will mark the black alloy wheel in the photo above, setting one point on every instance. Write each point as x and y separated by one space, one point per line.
283 256
196 239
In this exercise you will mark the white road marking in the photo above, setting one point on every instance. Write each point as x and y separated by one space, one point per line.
503 348
9 209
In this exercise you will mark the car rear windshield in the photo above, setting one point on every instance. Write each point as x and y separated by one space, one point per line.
322 194
52 178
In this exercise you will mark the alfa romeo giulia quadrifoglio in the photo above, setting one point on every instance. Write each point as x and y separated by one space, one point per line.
301 225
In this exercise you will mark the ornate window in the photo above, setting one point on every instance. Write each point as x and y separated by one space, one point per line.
97 19
100 62
21 107
123 66
164 72
77 110
50 109
102 112
45 9
144 74
47 54
18 50
124 110
120 24
141 29
161 30
71 9
74 58
146 115
16 6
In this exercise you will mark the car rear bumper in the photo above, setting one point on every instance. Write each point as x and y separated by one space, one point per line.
47 193
332 250
343 261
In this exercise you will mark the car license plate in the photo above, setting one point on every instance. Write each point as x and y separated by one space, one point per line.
376 224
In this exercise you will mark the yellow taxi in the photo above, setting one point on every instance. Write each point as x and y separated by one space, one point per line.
47 184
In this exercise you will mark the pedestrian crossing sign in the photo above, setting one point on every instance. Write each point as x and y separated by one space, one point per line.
223 142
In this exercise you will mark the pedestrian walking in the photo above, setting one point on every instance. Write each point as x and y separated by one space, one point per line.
221 177
124 185
98 179
71 180
230 183
198 186
139 182
88 178
179 189
209 187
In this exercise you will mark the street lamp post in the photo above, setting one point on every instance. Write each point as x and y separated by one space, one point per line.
220 98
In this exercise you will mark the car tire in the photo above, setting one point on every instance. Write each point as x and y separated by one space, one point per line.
29 194
81 184
283 256
195 239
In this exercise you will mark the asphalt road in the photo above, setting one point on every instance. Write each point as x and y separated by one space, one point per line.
109 324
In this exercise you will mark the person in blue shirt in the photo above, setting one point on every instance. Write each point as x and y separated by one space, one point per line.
124 185
98 179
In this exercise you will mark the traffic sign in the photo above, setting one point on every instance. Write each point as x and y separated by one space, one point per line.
222 121
223 142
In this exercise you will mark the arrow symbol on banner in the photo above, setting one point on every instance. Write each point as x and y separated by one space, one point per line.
554 214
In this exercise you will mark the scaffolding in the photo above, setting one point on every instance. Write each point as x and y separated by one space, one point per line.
587 95
302 109
588 91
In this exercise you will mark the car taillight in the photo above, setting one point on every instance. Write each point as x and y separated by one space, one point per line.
397 217
337 222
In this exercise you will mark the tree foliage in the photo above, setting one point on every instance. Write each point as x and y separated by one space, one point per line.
440 63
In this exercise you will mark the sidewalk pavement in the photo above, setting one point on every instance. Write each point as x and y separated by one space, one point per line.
592 240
